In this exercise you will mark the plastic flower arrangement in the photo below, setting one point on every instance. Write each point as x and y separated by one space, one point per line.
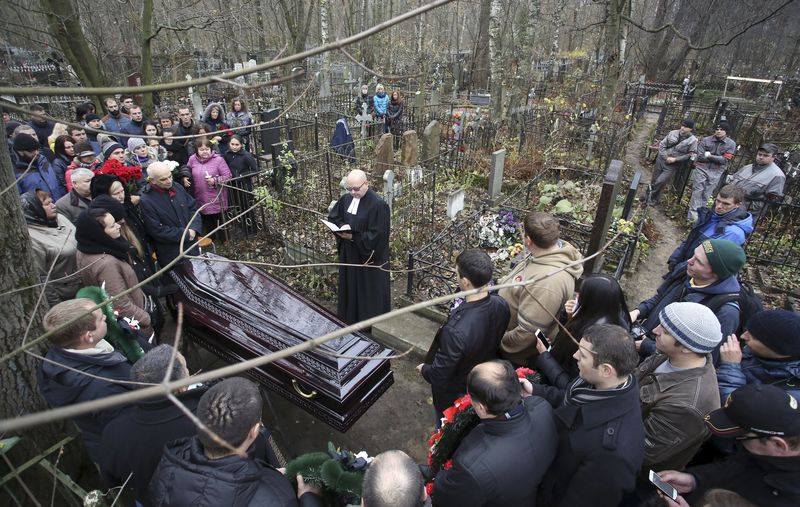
498 230
457 422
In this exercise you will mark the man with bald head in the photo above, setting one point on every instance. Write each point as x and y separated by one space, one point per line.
393 479
167 209
364 289
504 458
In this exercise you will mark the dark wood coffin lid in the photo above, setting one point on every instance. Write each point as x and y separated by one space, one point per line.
271 316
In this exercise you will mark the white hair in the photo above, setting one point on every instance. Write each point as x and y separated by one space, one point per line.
80 172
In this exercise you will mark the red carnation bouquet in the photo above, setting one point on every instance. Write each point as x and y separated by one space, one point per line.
457 422
129 175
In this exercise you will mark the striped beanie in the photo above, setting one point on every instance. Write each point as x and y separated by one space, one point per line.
695 326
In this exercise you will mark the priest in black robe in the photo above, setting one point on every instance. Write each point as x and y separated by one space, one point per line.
363 290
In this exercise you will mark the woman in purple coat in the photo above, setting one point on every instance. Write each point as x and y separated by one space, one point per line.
209 171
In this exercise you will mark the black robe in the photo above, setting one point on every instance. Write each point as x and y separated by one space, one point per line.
363 291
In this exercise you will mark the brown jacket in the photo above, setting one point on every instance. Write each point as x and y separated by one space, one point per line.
118 276
533 306
673 407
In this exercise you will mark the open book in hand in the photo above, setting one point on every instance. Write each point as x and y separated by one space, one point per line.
335 228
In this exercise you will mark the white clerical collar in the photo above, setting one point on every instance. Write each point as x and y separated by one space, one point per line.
353 208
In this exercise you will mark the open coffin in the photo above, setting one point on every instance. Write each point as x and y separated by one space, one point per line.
239 312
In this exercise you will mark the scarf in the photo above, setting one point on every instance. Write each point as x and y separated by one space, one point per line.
34 212
580 392
92 239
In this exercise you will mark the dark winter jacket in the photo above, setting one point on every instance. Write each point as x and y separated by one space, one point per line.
165 215
677 287
243 166
765 481
185 477
364 99
43 132
735 225
62 387
756 370
394 116
501 461
600 451
59 165
40 175
147 427
470 336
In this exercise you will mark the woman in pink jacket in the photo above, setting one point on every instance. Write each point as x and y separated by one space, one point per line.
209 171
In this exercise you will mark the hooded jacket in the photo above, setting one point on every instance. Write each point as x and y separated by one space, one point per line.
757 370
380 103
526 302
53 243
61 387
40 175
204 193
735 225
185 477
677 287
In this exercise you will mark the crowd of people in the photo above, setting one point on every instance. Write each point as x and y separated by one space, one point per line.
697 383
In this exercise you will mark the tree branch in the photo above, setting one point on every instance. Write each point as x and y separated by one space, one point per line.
688 40
47 90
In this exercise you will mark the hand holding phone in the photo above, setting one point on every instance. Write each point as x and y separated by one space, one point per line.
664 487
540 335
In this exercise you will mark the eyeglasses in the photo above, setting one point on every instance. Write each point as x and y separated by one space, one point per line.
354 189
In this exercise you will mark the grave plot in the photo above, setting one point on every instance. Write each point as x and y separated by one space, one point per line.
571 195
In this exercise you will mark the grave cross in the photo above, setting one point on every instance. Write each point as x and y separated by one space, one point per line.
364 118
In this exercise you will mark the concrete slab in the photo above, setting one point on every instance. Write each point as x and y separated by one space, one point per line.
405 331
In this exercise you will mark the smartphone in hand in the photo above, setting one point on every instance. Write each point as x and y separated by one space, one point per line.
539 334
664 487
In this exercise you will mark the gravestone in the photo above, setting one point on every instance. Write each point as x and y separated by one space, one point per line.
455 203
419 100
409 152
496 174
591 141
430 142
434 99
389 188
415 176
384 155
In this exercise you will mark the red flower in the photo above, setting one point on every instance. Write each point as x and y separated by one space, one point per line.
123 172
524 372
449 414
448 464
463 403
429 488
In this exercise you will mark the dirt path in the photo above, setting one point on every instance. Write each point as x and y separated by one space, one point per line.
643 283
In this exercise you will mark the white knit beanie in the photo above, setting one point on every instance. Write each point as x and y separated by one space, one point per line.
695 326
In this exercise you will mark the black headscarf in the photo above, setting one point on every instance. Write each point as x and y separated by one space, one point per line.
92 239
101 184
108 203
33 210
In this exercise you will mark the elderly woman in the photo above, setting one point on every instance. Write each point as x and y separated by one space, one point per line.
53 241
104 258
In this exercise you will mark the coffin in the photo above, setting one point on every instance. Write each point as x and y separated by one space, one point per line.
238 312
